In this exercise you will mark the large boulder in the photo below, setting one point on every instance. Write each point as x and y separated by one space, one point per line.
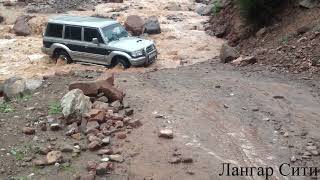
34 83
112 93
228 53
14 86
21 26
152 25
75 103
135 25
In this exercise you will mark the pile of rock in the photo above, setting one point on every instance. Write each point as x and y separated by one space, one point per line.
94 112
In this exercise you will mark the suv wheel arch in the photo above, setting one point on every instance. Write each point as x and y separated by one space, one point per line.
58 52
118 59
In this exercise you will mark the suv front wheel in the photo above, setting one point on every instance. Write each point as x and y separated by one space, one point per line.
63 55
121 62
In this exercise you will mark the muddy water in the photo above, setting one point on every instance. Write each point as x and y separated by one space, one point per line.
182 41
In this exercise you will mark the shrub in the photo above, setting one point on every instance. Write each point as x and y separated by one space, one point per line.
258 12
216 7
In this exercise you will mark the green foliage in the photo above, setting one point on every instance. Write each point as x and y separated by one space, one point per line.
284 40
6 108
25 97
19 153
55 108
258 12
20 178
216 8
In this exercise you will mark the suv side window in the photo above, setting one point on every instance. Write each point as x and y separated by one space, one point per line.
73 33
54 30
90 33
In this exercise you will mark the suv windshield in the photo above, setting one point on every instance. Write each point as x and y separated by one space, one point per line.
114 32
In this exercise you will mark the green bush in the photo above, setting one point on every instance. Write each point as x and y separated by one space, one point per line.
258 12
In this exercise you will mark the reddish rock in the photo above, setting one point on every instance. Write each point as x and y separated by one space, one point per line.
28 130
21 26
92 138
135 25
39 162
121 135
76 136
97 115
94 145
112 93
54 156
88 87
105 78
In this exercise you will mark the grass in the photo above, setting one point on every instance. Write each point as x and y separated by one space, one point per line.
216 8
5 107
67 168
19 153
55 108
20 178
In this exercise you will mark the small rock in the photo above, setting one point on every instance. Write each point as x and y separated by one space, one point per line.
116 105
314 152
175 160
293 159
310 148
28 130
118 124
55 126
135 123
106 140
67 148
228 53
104 159
121 135
105 151
91 165
94 145
166 133
116 158
54 156
76 136
102 168
278 97
128 112
39 162
103 99
91 125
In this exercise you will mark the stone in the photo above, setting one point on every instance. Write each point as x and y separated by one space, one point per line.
135 123
116 158
14 86
175 160
1 18
67 148
87 87
121 135
119 124
116 105
76 136
310 148
314 152
135 25
203 10
33 84
97 115
75 103
54 156
55 126
166 133
103 99
228 53
91 125
103 168
72 129
93 138
101 105
244 61
28 130
105 159
112 93
94 145
105 152
261 32
39 162
105 78
128 112
106 140
44 150
21 26
152 25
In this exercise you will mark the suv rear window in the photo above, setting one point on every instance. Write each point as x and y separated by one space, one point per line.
72 32
90 33
54 30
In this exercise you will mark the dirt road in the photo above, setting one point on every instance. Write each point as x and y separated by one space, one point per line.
219 115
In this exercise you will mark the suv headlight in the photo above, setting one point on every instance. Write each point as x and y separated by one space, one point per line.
137 53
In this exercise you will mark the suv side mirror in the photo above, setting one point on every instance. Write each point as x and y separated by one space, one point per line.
95 41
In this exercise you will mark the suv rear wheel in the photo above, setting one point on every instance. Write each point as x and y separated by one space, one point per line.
121 62
63 55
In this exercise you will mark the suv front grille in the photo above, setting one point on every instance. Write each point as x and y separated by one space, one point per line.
149 49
